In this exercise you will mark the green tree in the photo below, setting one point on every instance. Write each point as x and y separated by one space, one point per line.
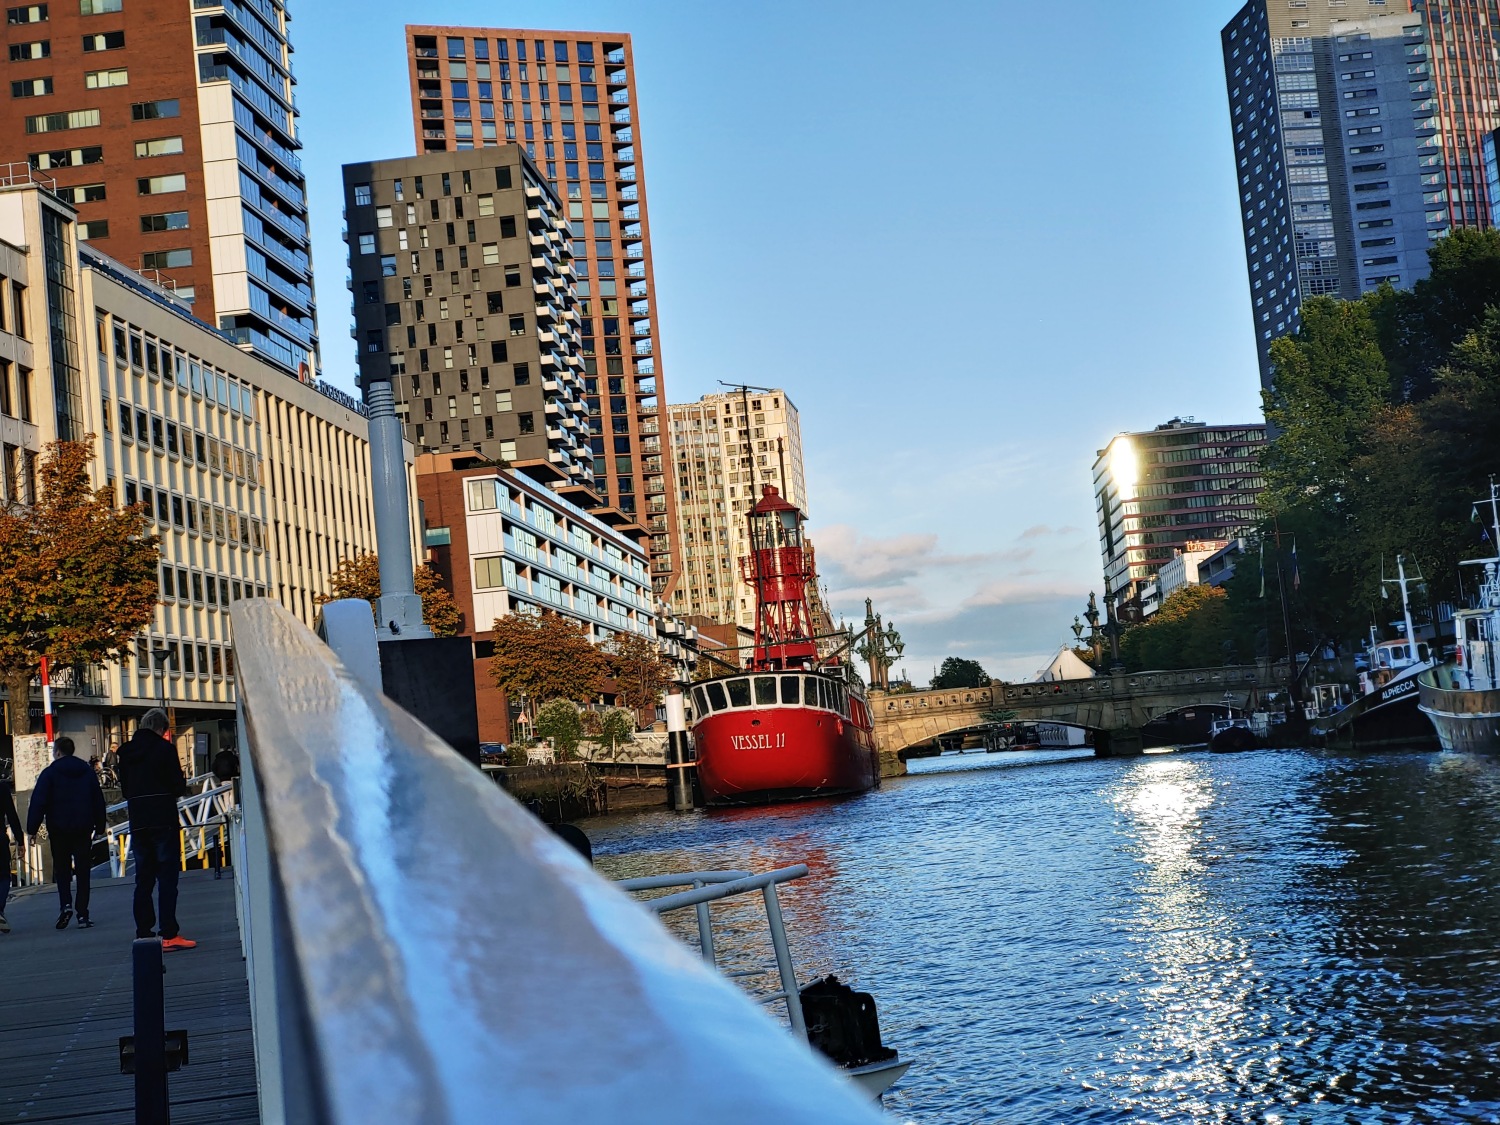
639 671
359 577
560 721
956 672
616 727
78 575
1188 631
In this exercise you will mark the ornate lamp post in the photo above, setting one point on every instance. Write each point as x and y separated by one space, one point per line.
1091 615
881 648
1112 629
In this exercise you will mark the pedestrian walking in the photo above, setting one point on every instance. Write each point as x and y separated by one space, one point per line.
13 824
68 798
152 781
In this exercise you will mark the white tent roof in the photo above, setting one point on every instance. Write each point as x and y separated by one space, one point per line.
1064 665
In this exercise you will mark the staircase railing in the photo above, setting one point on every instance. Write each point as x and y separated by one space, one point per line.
421 949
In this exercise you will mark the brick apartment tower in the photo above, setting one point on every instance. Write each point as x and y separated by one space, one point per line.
569 98
170 127
1463 37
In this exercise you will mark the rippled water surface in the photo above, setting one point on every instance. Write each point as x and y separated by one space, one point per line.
1276 936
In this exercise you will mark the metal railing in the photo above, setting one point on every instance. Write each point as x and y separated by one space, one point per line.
201 818
710 886
421 949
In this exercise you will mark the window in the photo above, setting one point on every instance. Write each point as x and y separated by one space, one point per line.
31 13
166 259
108 41
31 88
67 158
161 185
94 228
361 195
20 52
97 7
486 206
152 111
526 422
387 265
491 256
383 217
83 193
518 325
56 122
170 220
367 244
507 226
512 276
161 146
102 79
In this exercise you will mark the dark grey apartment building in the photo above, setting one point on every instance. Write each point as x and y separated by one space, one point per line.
463 285
1338 142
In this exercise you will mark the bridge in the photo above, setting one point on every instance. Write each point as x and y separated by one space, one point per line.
1114 707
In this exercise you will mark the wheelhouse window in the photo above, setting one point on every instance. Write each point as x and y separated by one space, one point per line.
790 689
765 690
739 693
716 697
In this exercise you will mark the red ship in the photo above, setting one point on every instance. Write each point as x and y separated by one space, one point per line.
791 725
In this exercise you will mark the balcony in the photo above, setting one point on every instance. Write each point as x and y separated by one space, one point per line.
433 135
645 386
620 97
636 269
651 445
640 308
625 155
615 57
655 486
629 193
643 348
623 136
634 250
626 174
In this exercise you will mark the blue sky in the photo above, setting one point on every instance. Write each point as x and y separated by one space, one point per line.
972 240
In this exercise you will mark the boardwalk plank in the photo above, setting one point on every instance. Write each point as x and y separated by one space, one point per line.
65 1001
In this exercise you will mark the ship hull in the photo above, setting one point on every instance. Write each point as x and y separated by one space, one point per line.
1464 720
1389 716
756 756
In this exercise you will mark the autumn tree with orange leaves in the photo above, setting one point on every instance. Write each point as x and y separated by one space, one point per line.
641 674
359 577
78 577
542 657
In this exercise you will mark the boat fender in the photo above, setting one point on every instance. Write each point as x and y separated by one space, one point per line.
842 1024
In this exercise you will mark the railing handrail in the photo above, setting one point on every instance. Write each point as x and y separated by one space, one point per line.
422 949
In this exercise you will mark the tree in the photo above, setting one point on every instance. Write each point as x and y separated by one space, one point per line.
616 726
956 672
79 577
359 577
1188 631
541 657
559 720
639 671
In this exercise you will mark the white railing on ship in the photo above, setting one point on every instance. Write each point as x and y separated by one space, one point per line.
421 949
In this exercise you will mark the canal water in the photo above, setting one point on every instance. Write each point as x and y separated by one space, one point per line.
1280 936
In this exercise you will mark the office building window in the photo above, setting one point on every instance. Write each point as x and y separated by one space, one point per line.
151 111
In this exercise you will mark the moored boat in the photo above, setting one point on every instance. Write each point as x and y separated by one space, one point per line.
1231 735
793 724
1462 697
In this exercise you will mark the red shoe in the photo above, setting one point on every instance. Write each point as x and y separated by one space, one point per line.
172 943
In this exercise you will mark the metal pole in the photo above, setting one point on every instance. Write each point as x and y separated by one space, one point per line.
398 611
784 963
679 784
47 699
151 1102
705 929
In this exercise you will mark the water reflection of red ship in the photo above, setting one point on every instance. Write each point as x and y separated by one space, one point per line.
793 724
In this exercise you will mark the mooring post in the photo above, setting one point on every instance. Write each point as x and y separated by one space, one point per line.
148 978
679 781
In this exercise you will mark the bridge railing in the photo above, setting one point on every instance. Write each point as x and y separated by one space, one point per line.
421 949
1125 685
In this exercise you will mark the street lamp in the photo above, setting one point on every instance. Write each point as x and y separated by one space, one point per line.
1091 615
1077 628
882 647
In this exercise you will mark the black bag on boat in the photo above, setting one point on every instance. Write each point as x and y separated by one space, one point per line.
843 1024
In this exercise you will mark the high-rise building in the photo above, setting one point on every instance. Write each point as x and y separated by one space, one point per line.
726 447
1157 491
257 485
569 98
171 128
1339 144
464 298
1464 43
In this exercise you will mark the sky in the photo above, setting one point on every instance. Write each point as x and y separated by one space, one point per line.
971 240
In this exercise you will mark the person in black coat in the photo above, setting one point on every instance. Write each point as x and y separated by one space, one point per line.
152 781
13 822
68 797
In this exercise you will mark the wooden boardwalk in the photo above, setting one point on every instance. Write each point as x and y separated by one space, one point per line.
65 1000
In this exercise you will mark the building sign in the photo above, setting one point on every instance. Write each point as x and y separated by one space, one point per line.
32 755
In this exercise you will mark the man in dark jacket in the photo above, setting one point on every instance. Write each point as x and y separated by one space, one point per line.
151 779
13 822
68 796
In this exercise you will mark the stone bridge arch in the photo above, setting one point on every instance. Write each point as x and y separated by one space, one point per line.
1113 706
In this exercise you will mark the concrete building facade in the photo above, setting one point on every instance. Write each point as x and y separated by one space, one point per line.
504 544
1156 491
725 447
463 283
1464 50
569 98
172 129
258 485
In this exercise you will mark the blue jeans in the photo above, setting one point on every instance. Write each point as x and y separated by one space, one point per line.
157 861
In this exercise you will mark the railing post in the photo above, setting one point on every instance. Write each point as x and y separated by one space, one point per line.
784 964
151 1105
